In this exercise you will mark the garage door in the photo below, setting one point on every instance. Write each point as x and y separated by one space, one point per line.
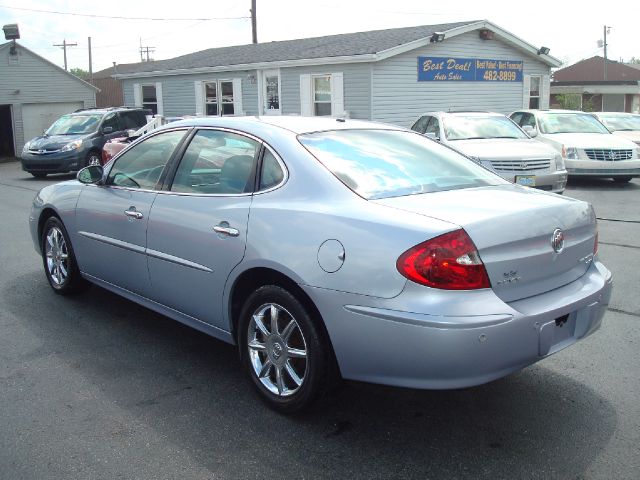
37 117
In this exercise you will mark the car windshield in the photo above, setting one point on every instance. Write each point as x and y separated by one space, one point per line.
621 122
74 124
389 163
569 123
460 127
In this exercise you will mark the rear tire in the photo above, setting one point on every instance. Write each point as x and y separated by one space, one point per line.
58 259
282 349
38 174
621 179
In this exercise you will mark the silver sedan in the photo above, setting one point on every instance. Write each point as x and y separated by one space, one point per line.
329 248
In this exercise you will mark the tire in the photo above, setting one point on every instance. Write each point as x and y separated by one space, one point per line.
58 259
288 367
38 174
621 179
93 158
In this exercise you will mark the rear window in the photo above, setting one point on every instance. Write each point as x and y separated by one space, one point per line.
388 163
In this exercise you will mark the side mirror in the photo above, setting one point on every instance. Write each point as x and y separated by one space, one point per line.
432 136
107 130
90 174
531 131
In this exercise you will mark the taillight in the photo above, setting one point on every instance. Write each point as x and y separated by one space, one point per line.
450 262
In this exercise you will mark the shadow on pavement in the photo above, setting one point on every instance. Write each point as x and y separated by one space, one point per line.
533 424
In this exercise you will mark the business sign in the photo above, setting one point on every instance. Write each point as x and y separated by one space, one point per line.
449 69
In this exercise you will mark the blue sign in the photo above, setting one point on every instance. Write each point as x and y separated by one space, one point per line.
450 69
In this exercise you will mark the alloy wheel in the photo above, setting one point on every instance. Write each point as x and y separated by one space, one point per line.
57 256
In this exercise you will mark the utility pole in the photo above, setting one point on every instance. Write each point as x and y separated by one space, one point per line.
64 46
146 50
90 61
606 30
254 22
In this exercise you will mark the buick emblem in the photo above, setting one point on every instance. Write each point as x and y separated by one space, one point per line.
557 240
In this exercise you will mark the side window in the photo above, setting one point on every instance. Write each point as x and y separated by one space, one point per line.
271 174
111 120
528 120
517 117
421 125
141 166
132 120
216 162
433 127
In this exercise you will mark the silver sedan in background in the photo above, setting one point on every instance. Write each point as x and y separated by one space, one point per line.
329 247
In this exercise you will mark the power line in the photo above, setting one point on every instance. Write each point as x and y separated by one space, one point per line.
116 17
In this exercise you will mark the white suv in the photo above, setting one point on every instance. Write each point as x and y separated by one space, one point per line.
496 142
588 148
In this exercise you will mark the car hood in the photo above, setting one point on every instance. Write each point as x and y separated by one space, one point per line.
588 140
633 135
512 227
53 142
503 148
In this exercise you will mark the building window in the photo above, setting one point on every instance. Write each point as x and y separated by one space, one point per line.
150 98
534 91
322 95
219 98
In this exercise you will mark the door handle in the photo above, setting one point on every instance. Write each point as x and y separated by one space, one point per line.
225 229
133 213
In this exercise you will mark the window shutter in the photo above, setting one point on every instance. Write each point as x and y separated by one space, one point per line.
137 95
544 92
159 98
199 86
237 97
337 95
526 90
305 96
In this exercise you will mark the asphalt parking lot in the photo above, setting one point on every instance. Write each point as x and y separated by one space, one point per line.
96 387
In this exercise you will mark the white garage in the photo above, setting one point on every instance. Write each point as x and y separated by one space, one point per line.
33 93
37 117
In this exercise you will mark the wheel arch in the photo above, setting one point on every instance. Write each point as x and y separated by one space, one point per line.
253 278
45 215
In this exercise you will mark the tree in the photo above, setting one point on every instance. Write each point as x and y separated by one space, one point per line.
80 73
569 101
634 60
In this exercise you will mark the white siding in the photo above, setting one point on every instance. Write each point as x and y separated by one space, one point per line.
398 97
179 94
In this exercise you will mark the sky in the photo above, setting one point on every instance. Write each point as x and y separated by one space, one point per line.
571 29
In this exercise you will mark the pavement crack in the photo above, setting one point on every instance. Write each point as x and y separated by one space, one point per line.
619 245
19 188
624 312
617 220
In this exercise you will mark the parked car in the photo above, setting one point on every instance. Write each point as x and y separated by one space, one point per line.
75 140
589 149
627 125
116 145
498 143
324 245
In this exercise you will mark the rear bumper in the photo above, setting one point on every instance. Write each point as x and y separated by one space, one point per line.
470 339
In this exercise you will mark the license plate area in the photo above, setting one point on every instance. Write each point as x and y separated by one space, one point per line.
557 334
526 180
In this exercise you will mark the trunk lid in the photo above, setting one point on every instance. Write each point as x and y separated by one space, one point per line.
513 228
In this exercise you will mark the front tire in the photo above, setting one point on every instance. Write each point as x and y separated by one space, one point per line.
38 174
58 259
282 349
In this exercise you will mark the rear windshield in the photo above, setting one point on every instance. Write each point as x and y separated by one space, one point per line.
570 123
75 124
389 163
460 127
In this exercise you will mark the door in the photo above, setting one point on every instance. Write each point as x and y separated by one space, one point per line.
198 229
271 92
111 219
37 117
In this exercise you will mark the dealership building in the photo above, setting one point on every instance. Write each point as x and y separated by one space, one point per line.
391 75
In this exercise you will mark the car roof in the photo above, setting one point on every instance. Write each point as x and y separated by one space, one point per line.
102 111
292 123
465 113
551 110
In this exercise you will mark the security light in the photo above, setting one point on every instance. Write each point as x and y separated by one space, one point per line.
543 51
437 37
11 31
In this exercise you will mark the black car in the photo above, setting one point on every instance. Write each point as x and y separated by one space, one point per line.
75 140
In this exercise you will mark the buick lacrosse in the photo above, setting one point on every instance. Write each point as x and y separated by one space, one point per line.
330 248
